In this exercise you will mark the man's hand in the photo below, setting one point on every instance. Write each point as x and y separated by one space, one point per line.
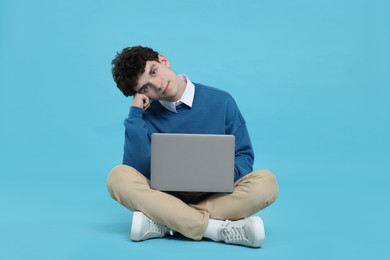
140 100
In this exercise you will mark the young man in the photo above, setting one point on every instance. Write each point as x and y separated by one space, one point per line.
168 103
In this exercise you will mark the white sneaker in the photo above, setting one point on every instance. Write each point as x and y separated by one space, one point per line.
246 232
143 228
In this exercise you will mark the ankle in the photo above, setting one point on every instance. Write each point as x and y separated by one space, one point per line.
211 231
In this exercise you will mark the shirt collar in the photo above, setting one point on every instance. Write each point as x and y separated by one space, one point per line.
187 97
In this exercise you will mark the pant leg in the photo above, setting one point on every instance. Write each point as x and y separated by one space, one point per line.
131 189
251 193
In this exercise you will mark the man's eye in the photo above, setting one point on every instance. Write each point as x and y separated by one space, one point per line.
154 72
145 89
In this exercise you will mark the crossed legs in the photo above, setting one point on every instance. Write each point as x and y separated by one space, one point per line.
182 212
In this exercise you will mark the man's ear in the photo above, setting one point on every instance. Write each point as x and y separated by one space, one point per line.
163 60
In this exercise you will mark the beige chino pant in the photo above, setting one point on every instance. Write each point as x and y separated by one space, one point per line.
189 213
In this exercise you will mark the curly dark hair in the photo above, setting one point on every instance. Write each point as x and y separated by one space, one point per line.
129 64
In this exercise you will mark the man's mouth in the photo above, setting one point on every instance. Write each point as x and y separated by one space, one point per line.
166 88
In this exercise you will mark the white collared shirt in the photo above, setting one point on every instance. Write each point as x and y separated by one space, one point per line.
187 97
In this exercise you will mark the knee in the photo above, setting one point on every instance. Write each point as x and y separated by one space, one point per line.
114 177
270 179
269 186
119 178
125 179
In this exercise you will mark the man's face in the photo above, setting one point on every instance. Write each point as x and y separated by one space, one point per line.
159 82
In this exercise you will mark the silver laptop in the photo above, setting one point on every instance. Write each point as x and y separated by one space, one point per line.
192 162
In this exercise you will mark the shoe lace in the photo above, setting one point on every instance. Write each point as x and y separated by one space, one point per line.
156 227
154 230
230 232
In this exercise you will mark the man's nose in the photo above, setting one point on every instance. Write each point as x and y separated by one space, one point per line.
158 84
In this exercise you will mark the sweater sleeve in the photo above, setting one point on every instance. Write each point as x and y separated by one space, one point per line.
137 142
244 155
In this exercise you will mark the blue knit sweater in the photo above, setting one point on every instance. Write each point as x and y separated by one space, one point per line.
213 112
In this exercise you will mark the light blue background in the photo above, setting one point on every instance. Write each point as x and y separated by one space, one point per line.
310 77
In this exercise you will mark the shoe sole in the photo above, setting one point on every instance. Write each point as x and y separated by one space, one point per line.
260 232
136 226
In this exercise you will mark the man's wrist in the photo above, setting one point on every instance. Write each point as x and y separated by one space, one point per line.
136 111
